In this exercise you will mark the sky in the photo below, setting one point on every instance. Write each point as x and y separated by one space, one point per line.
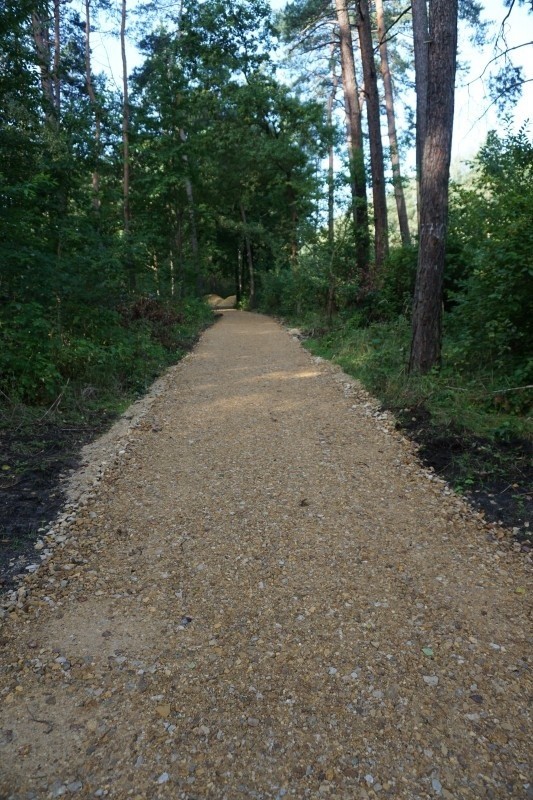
474 115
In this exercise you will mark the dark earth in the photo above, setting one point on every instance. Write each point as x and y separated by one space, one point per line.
496 477
34 457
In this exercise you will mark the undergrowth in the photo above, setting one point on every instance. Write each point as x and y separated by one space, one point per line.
468 396
98 363
472 427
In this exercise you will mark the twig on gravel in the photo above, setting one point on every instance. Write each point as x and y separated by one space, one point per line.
42 721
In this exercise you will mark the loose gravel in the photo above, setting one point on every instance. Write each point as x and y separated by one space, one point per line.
257 591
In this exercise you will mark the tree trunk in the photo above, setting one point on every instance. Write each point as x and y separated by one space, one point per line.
128 257
249 258
126 151
41 37
331 152
399 195
292 204
94 104
330 305
421 51
57 57
374 132
238 276
427 310
192 217
355 140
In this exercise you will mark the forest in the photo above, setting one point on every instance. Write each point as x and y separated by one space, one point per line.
263 154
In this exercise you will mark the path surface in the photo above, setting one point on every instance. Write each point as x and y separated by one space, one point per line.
267 597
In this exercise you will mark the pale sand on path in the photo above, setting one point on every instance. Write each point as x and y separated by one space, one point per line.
267 596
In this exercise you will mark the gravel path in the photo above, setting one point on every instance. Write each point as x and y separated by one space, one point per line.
266 596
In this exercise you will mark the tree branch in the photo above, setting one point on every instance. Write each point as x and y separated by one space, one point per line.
500 55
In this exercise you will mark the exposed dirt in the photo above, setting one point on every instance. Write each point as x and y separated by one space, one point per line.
34 461
259 592
495 476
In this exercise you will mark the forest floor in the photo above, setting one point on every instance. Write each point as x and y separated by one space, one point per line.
258 590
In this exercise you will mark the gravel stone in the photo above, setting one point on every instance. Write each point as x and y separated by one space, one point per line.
256 562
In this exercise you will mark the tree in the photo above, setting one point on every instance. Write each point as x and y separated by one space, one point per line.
397 183
126 147
355 139
441 47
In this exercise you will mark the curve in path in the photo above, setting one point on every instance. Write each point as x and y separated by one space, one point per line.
268 597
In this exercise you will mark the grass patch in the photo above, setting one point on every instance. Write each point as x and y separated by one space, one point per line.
467 428
470 401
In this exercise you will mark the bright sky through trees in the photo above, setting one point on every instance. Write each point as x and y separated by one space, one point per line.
475 114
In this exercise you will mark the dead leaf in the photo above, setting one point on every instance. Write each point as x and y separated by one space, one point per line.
164 710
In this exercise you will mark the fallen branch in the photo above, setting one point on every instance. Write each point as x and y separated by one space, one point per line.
56 402
513 389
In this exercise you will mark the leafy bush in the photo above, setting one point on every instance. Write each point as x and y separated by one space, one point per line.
492 317
399 276
28 341
110 352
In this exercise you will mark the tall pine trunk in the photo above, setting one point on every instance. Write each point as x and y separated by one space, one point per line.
427 309
57 57
374 133
331 188
355 140
41 37
421 51
399 195
331 152
126 152
95 106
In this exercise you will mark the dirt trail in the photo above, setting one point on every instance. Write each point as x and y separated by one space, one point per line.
266 596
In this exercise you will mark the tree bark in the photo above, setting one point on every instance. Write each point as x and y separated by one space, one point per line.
41 37
421 39
331 153
330 305
427 310
125 122
94 104
249 258
374 132
192 217
57 58
399 195
130 268
355 140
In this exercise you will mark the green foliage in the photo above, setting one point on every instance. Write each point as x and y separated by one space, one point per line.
492 220
396 294
100 351
221 153
377 354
